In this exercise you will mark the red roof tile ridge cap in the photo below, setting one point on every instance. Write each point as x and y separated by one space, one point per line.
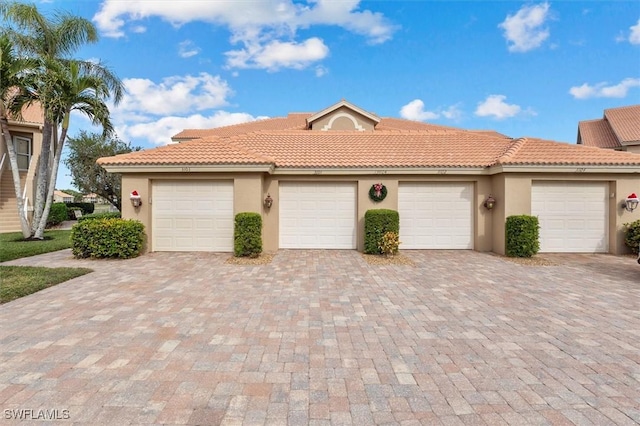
249 152
512 150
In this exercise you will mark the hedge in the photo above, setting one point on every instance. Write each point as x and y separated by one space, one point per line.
87 208
107 238
103 215
522 236
632 235
247 235
377 222
57 214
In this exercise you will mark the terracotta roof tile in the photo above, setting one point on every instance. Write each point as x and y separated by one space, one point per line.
292 121
625 122
531 151
597 133
284 143
31 114
200 151
373 149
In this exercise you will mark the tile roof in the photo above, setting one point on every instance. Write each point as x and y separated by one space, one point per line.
619 127
211 150
625 122
372 149
532 151
597 133
31 114
292 121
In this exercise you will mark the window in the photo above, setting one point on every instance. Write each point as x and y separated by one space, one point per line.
23 151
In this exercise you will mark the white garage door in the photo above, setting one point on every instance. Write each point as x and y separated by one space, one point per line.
192 216
318 215
573 216
436 215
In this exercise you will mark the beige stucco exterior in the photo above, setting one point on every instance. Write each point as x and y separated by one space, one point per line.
9 220
510 186
511 190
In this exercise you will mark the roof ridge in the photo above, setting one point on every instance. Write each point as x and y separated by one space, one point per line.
512 150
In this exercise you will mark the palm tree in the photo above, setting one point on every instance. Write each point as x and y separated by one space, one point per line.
60 84
78 86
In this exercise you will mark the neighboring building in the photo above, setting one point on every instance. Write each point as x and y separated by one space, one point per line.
319 168
62 197
94 198
27 140
619 129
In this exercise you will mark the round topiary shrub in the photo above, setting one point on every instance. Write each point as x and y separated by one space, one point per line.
632 236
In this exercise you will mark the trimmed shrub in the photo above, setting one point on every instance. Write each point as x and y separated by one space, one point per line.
87 208
247 235
632 235
103 215
57 214
522 236
107 238
377 222
389 243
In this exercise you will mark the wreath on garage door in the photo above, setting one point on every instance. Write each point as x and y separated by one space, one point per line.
378 192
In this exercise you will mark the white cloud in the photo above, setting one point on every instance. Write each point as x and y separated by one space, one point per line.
496 107
187 49
266 30
159 132
139 29
634 36
603 90
174 95
321 71
277 54
525 31
414 110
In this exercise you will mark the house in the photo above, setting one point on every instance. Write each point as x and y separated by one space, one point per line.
310 176
62 197
94 199
618 129
27 140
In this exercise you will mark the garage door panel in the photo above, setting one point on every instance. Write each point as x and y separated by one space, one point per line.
192 216
573 216
436 215
317 215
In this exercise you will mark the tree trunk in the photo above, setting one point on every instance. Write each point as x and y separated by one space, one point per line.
42 178
39 232
13 161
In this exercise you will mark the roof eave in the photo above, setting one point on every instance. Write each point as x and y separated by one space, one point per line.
188 168
577 169
380 171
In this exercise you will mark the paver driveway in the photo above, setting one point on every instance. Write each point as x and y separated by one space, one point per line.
322 337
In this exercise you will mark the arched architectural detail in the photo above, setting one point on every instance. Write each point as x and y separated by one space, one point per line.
356 126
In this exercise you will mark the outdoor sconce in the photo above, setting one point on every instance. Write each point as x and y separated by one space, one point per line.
135 198
268 202
631 202
490 202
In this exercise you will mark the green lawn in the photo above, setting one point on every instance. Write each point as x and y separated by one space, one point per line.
19 281
12 245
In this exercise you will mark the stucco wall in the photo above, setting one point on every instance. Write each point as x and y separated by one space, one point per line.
511 190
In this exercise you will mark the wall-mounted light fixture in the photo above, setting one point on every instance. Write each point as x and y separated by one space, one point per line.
268 202
136 200
489 203
631 202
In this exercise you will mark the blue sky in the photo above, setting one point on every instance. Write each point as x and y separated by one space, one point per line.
521 68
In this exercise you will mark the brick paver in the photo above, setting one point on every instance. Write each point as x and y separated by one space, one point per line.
323 338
